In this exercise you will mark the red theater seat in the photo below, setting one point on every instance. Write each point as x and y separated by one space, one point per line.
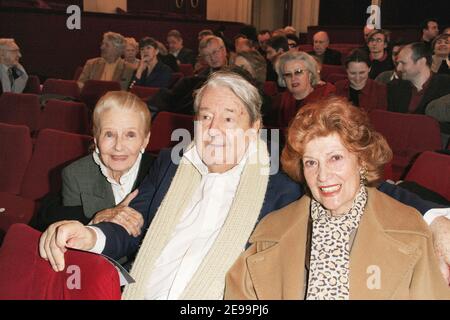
432 170
93 90
407 135
327 70
164 125
33 85
145 93
67 88
53 151
186 69
24 275
270 88
20 108
16 148
66 116
335 77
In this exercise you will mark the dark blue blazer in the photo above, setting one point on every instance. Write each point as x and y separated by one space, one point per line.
280 192
160 77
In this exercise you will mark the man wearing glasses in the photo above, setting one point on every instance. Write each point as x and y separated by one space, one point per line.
321 51
179 99
13 77
377 42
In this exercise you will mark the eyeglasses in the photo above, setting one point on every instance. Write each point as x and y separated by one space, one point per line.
296 73
377 40
292 45
213 53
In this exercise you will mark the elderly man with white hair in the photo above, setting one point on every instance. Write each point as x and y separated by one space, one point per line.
13 77
110 66
322 52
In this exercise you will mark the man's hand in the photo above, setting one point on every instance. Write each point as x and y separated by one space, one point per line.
123 215
62 235
441 234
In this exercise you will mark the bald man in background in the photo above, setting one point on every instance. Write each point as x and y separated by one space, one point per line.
322 52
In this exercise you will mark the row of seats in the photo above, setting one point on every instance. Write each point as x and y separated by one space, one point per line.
26 109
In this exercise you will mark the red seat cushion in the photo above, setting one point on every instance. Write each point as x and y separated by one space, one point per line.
16 210
25 275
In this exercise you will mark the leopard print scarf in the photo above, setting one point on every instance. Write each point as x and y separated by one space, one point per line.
330 250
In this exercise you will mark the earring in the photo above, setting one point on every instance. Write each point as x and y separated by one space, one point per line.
96 150
363 175
142 151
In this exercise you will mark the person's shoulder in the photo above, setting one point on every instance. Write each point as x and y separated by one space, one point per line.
334 51
342 85
81 165
442 79
163 67
279 222
395 216
281 178
94 60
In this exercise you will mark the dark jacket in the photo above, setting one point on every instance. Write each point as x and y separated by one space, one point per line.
90 193
330 56
159 77
399 93
186 56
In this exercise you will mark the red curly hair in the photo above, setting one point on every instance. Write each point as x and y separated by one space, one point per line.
335 115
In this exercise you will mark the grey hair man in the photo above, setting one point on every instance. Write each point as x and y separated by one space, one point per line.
109 66
13 77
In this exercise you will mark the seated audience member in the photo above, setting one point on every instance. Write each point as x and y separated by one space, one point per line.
108 176
242 44
439 109
200 64
322 52
290 30
13 77
275 47
321 246
175 42
378 46
166 58
263 37
298 71
419 86
199 211
179 99
293 42
441 49
255 64
391 75
358 88
131 51
446 31
430 30
110 66
151 72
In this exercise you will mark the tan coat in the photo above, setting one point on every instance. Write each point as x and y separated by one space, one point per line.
93 70
392 255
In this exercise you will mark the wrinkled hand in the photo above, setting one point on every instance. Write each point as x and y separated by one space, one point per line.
62 235
441 234
123 215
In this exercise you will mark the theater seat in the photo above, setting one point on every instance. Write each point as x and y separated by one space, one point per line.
16 148
335 77
432 170
68 88
408 135
25 275
93 90
162 127
328 70
53 151
145 93
270 88
186 69
20 108
67 116
33 85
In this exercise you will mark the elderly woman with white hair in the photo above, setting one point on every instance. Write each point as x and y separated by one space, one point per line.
130 52
298 71
110 66
109 175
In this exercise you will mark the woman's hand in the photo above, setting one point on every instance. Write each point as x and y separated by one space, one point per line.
123 215
62 235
